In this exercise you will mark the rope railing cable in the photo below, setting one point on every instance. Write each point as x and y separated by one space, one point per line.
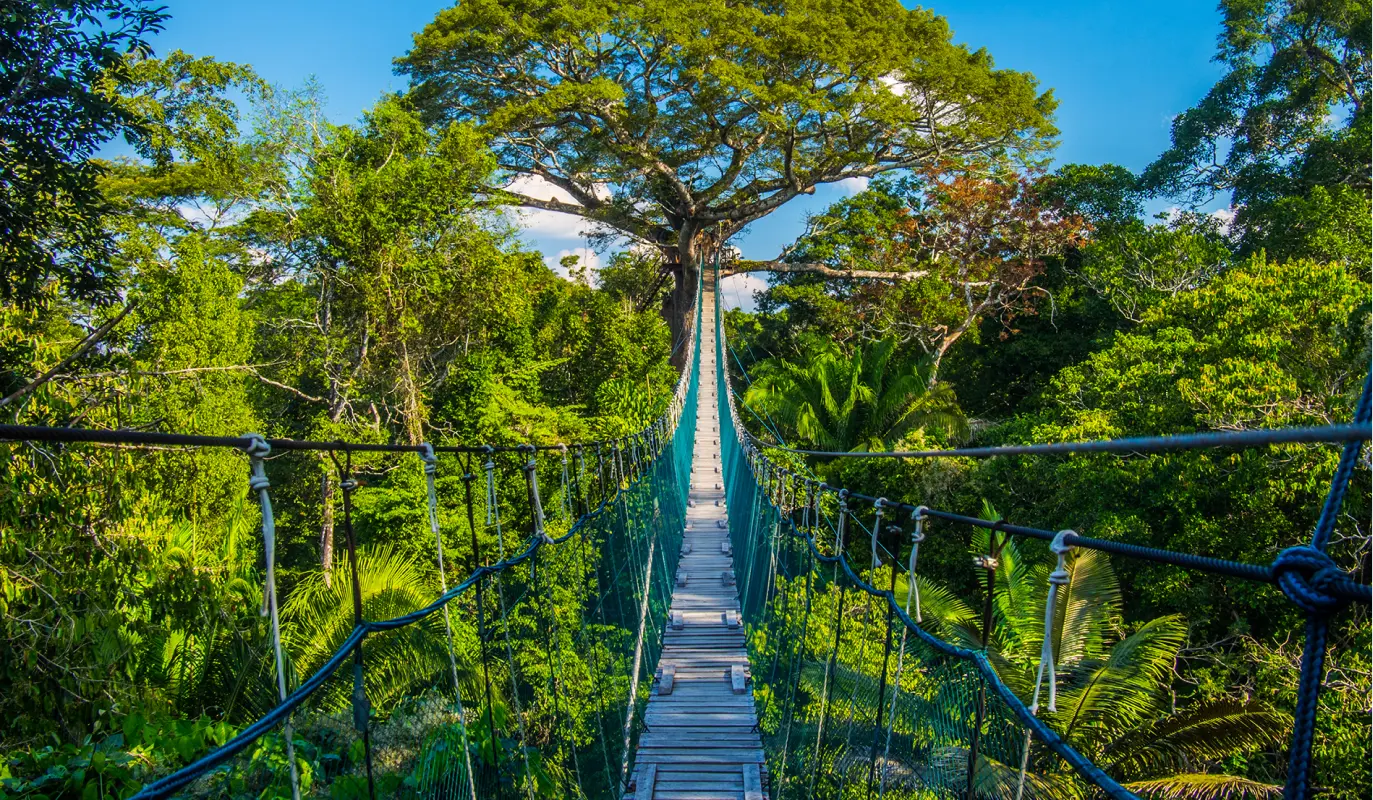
1205 440
254 731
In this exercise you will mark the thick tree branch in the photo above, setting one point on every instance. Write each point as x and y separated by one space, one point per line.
812 268
85 345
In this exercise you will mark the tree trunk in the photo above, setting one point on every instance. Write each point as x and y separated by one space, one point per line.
680 303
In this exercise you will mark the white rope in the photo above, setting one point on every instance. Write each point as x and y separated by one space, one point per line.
912 591
1059 577
431 465
876 526
258 450
493 518
567 489
493 508
536 505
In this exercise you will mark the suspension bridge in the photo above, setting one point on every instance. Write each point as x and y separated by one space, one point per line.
675 614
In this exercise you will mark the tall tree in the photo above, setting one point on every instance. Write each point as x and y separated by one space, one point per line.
924 261
1291 112
54 115
677 122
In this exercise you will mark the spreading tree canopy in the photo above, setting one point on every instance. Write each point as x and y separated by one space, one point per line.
54 115
678 122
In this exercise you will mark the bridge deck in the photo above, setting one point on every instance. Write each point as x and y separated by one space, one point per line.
702 741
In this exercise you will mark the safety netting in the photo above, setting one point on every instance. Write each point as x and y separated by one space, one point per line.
523 673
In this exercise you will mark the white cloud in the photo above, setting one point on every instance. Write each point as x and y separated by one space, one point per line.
736 291
550 224
589 258
1226 217
852 186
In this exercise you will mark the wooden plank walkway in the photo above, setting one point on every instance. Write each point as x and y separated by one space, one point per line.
702 741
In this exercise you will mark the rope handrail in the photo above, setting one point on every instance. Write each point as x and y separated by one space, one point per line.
1201 440
124 436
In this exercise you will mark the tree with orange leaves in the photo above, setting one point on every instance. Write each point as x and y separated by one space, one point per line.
922 260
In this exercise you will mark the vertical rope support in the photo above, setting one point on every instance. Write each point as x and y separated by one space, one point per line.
258 450
827 687
362 708
635 670
494 515
1059 577
917 536
882 680
989 562
431 464
1318 609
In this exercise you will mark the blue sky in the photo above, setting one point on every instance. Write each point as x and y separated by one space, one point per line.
1120 70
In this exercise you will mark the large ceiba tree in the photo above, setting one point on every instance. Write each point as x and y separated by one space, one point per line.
678 122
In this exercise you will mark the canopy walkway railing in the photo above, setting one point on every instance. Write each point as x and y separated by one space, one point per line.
523 679
865 699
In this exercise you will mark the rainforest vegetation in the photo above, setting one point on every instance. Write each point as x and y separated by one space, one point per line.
250 266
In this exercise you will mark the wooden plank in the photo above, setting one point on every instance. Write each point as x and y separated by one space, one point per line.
736 679
753 783
666 676
702 731
644 785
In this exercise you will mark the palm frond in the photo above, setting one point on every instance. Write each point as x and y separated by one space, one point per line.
1086 607
1208 732
1101 699
1204 786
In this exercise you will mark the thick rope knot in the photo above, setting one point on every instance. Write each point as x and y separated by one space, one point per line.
257 446
259 483
348 485
1312 580
431 461
1061 548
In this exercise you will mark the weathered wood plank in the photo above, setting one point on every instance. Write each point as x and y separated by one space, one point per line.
644 785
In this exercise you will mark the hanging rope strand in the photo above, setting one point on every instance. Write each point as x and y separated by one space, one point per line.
430 470
258 451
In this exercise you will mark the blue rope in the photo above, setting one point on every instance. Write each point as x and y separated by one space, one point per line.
1354 433
1311 580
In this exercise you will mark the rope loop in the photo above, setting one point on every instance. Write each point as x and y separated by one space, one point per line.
1313 581
917 536
1059 577
531 471
878 504
842 528
258 449
257 446
431 461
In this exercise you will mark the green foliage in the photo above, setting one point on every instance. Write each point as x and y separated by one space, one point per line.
54 116
677 123
864 401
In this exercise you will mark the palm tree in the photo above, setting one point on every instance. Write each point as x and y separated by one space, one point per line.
1114 702
865 401
318 617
